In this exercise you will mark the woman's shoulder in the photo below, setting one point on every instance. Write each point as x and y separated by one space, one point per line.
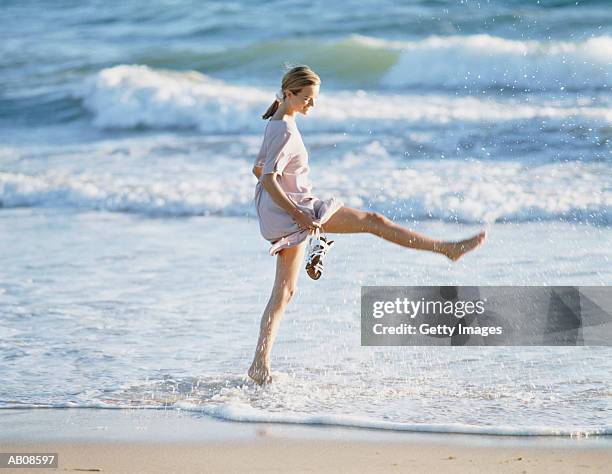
282 125
276 129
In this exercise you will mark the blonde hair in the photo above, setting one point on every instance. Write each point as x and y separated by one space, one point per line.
294 80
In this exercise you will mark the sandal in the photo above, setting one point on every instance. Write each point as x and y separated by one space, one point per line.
318 248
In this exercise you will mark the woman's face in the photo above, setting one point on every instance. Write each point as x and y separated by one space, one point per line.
303 100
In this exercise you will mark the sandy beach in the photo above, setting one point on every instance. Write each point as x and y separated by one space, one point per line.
119 441
314 456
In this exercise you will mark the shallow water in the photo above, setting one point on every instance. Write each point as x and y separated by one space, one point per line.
119 310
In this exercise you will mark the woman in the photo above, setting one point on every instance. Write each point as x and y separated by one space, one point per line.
288 211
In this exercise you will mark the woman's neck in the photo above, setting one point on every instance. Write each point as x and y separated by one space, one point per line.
282 114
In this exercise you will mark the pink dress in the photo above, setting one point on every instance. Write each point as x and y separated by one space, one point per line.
283 151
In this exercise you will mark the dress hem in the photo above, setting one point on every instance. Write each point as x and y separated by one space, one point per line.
326 210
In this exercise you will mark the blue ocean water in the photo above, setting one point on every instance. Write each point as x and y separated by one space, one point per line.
125 126
466 101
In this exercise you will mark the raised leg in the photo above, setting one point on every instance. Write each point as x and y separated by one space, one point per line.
349 221
288 263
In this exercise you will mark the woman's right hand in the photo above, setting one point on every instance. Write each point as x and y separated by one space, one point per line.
304 220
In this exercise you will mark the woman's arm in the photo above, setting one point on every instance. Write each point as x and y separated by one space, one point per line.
277 194
268 181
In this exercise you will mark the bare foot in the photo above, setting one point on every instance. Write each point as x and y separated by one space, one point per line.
260 373
456 250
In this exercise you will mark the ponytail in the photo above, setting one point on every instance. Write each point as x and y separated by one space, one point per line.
271 110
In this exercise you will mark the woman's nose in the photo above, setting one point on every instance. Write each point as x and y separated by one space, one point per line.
311 101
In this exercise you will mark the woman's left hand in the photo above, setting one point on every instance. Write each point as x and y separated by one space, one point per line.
305 221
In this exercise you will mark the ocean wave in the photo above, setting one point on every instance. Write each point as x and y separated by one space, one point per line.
478 61
132 96
484 61
451 190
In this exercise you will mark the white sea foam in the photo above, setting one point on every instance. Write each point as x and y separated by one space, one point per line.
246 413
130 96
451 190
243 412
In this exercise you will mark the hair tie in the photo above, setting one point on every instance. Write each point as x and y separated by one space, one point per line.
279 95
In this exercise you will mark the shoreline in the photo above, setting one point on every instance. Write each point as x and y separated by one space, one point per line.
160 425
102 440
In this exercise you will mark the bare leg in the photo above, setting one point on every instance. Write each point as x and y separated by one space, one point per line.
349 221
288 263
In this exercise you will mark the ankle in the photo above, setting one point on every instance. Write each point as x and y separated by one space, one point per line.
441 247
260 363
